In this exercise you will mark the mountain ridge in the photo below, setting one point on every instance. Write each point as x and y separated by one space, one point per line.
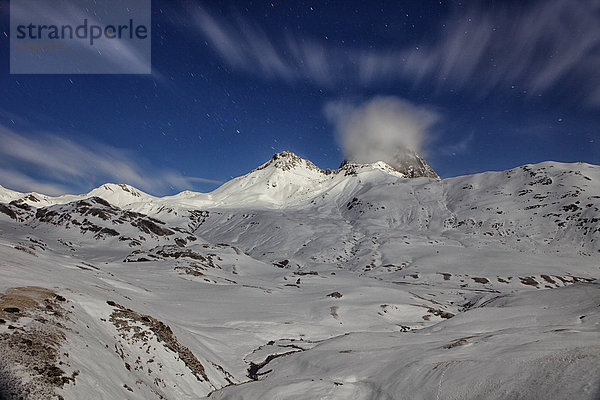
285 161
545 202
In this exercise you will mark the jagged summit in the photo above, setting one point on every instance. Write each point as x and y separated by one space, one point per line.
118 188
286 160
120 194
409 164
350 168
413 165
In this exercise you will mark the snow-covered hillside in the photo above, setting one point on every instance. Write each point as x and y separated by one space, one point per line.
296 282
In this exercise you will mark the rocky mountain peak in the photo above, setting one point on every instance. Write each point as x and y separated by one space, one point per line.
413 165
409 164
286 160
118 188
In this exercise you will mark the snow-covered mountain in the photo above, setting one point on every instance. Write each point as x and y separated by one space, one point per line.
365 282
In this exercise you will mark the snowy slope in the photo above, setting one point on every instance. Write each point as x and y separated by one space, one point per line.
295 282
496 351
119 194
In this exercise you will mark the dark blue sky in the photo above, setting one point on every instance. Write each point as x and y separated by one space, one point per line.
236 81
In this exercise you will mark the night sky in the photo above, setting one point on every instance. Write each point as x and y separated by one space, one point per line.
509 83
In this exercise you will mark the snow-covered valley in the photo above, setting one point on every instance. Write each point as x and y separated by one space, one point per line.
296 283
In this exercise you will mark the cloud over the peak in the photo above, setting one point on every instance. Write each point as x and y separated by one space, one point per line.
53 165
382 129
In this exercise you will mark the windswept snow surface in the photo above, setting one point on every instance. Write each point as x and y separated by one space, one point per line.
296 283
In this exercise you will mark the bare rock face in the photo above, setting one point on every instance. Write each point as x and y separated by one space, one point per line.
412 165
33 363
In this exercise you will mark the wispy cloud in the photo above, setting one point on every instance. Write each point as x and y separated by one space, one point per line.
536 47
21 182
51 164
244 45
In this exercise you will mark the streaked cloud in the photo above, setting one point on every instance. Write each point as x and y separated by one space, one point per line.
21 182
244 46
531 47
51 164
